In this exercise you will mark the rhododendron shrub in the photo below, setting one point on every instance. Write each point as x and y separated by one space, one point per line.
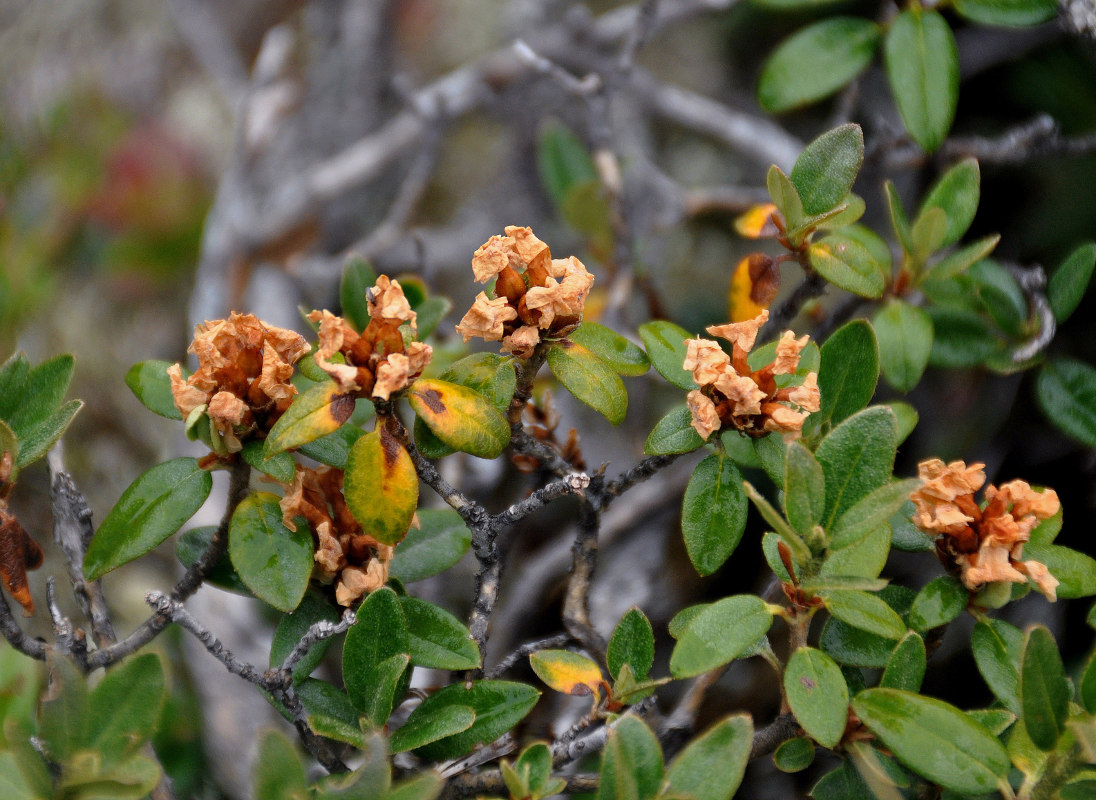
340 499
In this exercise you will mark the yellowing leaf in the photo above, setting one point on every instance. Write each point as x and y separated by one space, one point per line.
317 412
757 222
754 285
460 417
567 672
381 486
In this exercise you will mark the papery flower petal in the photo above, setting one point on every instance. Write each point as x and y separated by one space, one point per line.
1041 577
705 419
782 419
227 409
329 555
787 353
186 397
274 380
806 395
522 342
491 258
745 395
706 360
990 563
387 301
486 318
392 375
532 251
744 334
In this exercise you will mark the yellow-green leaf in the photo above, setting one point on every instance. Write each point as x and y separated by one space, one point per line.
381 486
590 379
316 412
566 672
460 417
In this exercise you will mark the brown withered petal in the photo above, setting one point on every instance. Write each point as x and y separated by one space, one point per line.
787 353
329 556
186 397
391 375
706 360
274 380
18 553
418 356
486 318
522 341
1025 500
357 581
743 334
990 563
335 334
1041 577
705 419
806 395
491 258
781 419
531 250
745 395
227 409
388 302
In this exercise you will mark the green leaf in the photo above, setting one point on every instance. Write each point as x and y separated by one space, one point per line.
358 278
440 541
292 627
674 433
316 412
712 765
804 489
621 355
590 379
786 198
460 417
489 374
631 765
150 384
1068 283
665 346
190 547
849 265
381 486
816 62
498 705
431 311
857 457
847 374
369 781
424 786
905 343
281 467
922 63
799 550
42 390
927 234
154 506
718 634
713 513
333 448
1086 686
126 707
1067 394
421 730
586 209
64 725
961 260
39 439
818 695
826 169
842 783
375 647
934 739
562 161
906 668
961 339
1075 571
1017 13
330 712
898 216
906 536
997 647
437 639
794 755
277 773
867 612
16 784
956 194
853 647
872 512
1045 691
274 562
13 377
863 559
939 602
632 643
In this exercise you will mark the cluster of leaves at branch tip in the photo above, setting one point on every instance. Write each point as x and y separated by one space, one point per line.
342 533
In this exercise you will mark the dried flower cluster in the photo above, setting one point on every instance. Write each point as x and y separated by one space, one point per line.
985 543
345 556
536 296
242 382
731 395
18 551
380 360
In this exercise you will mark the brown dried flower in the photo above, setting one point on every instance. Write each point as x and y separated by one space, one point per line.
536 296
731 395
18 554
244 367
380 360
984 543
346 557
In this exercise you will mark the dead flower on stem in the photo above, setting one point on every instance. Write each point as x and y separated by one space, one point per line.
983 542
731 395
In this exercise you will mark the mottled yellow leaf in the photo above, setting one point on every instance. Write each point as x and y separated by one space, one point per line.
460 417
757 222
381 486
754 285
567 672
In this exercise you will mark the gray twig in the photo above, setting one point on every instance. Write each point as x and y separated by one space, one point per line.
527 649
318 632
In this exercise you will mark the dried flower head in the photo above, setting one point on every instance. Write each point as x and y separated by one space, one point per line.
346 557
18 554
381 359
983 543
731 395
242 382
536 296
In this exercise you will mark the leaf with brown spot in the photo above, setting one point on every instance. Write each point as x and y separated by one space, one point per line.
18 553
381 486
567 672
754 285
315 413
460 417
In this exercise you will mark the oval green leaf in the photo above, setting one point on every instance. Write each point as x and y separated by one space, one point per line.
849 265
1012 13
997 647
867 612
374 648
818 695
420 731
934 739
190 547
904 333
674 433
632 643
826 169
804 489
1067 394
381 486
292 627
847 374
857 457
871 513
713 513
922 63
1075 571
712 765
589 379
440 541
956 193
489 374
150 510
906 668
1045 690
150 384
621 355
665 345
281 467
718 634
316 412
460 417
274 562
498 705
939 602
437 639
631 766
1068 283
